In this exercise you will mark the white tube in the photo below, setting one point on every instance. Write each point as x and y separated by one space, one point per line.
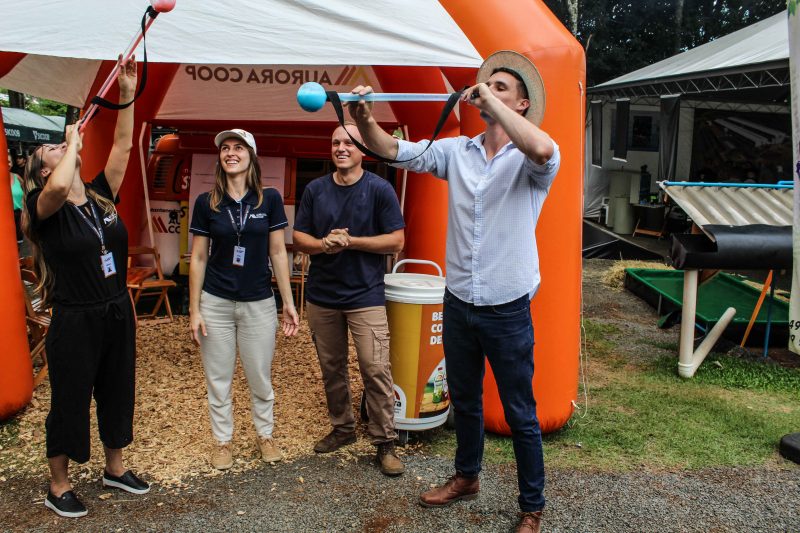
711 338
687 323
690 359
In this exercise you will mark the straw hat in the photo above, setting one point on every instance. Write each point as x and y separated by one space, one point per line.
527 71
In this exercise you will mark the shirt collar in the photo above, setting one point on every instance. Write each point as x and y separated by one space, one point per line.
477 142
250 198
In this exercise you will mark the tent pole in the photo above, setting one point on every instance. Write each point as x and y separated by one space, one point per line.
144 184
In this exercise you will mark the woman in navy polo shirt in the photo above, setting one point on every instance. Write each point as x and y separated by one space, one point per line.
231 301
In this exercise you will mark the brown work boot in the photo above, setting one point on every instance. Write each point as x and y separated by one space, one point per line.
457 488
387 458
222 456
269 452
333 441
530 522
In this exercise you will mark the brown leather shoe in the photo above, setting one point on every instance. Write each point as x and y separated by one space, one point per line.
387 458
333 441
457 488
530 522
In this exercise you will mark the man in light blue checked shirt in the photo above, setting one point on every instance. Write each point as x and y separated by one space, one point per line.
498 182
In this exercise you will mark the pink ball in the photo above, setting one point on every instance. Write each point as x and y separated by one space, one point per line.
162 6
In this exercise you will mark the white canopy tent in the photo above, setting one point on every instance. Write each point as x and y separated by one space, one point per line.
747 70
65 51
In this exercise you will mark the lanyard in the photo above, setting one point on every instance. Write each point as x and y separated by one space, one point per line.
95 224
242 221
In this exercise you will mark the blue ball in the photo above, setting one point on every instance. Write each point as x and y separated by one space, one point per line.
311 96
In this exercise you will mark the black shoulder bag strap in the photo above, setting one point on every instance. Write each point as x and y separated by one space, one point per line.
334 99
102 102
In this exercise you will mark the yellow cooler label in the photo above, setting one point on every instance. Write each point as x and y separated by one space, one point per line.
417 357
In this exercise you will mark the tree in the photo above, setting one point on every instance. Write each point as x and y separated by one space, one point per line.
16 100
620 36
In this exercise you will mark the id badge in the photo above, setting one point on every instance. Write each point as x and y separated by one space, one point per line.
107 264
238 256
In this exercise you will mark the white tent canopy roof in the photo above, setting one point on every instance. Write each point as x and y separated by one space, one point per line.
763 42
266 32
66 40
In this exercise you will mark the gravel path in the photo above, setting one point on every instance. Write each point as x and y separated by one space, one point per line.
338 495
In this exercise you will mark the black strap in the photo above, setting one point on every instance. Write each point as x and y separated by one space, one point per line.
333 98
102 102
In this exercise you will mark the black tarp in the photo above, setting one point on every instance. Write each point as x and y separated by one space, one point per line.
668 137
621 129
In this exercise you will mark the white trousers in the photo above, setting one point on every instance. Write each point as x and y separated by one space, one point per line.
252 326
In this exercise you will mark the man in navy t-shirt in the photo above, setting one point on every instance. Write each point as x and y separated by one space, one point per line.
347 222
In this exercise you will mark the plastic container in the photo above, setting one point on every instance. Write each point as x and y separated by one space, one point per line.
414 309
623 215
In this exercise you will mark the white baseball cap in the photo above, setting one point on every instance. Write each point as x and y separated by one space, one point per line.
246 136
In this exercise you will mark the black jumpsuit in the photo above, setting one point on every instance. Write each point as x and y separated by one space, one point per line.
91 342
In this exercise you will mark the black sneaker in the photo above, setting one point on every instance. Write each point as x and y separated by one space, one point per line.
67 505
127 482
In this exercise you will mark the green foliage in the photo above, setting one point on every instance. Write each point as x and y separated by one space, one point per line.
624 36
792 6
41 106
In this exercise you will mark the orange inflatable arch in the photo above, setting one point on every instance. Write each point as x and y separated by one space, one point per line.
526 26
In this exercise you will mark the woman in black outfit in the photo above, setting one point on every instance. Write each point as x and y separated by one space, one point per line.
80 252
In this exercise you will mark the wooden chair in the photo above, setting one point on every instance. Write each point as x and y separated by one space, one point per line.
149 281
38 320
298 280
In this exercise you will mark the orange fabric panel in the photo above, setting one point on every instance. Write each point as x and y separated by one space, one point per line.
16 372
425 209
99 137
530 28
9 60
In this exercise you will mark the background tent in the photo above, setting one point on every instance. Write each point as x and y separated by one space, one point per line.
215 68
29 127
745 71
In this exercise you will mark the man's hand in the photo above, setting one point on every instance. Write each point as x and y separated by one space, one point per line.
336 241
479 96
360 111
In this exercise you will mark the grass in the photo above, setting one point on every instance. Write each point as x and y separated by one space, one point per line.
736 373
732 413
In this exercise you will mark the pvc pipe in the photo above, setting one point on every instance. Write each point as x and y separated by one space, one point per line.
312 97
90 112
687 323
782 185
143 167
687 370
690 360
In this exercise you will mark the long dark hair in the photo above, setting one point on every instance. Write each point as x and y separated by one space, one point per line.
35 180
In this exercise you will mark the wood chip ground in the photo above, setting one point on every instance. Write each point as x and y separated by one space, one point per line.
172 433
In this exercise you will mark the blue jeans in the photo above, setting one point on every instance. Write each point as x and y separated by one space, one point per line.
505 334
